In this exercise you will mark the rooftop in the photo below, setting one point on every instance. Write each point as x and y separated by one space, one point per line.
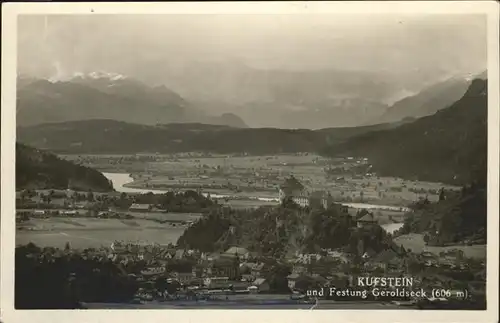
292 184
367 218
236 251
140 206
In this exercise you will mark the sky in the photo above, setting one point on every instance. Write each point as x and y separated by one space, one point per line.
436 45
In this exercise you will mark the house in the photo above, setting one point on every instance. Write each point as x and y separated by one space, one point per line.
428 255
183 277
292 279
40 213
212 280
70 213
338 256
103 214
320 280
84 205
225 267
343 210
299 269
256 269
140 207
239 287
339 280
252 268
366 221
70 193
369 253
198 270
180 254
260 285
153 271
247 277
242 253
384 260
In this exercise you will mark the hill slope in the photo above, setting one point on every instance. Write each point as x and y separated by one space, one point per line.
449 146
458 218
277 231
428 101
36 169
109 136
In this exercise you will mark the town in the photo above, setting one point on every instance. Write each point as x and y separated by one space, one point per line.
171 273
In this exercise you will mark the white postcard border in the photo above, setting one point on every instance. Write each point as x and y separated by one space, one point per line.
8 133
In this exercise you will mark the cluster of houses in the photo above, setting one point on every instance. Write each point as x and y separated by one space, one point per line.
238 271
232 270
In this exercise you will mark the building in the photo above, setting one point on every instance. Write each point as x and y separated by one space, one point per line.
183 277
256 270
140 207
70 212
292 279
366 221
342 209
154 271
293 189
180 254
247 277
387 259
215 280
260 285
198 270
225 267
242 253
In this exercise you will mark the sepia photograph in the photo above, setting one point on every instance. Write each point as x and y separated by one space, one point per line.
239 161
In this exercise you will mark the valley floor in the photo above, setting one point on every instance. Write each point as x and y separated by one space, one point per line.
250 177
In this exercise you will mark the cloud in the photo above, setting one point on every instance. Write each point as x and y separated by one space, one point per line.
425 45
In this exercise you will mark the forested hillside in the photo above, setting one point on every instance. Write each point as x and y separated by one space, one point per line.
36 169
449 146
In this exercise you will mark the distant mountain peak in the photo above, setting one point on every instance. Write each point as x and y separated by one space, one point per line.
100 75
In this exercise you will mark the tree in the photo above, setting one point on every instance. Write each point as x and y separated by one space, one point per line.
442 196
67 247
90 196
426 238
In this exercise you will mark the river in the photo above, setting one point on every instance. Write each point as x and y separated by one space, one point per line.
121 179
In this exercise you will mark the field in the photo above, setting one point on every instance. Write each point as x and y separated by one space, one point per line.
86 233
174 217
259 176
416 243
243 178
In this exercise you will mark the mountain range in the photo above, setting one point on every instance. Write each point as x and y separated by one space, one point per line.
233 95
102 96
310 99
448 146
428 101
